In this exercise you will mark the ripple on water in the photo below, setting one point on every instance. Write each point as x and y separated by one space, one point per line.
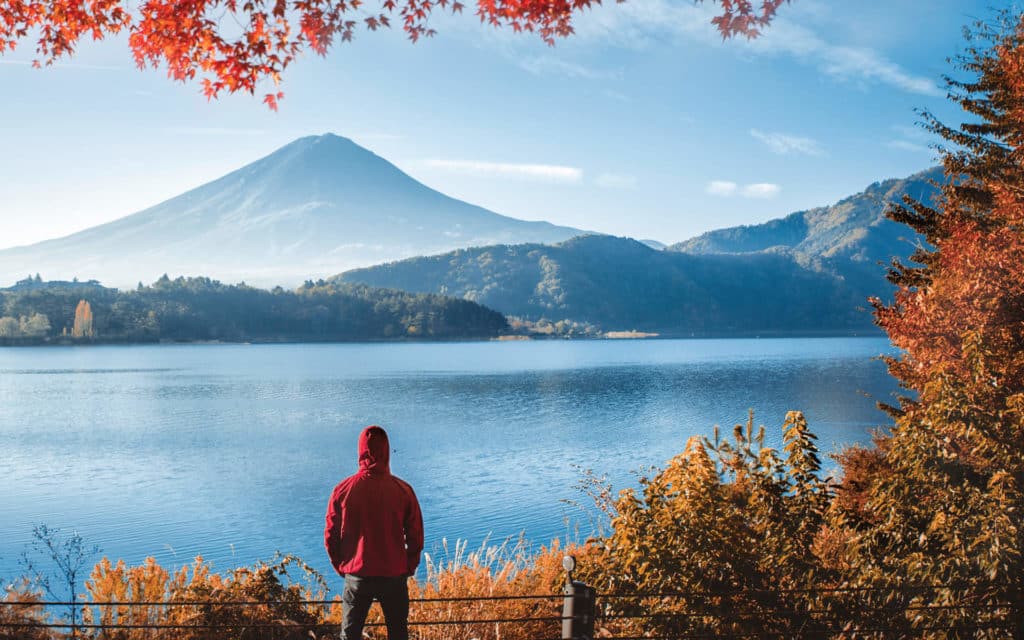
231 452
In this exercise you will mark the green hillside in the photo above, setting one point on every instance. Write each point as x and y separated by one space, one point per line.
809 272
621 284
854 229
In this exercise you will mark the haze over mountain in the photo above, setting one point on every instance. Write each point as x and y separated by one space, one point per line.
317 206
810 272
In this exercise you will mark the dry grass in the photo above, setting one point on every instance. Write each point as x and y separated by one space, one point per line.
510 569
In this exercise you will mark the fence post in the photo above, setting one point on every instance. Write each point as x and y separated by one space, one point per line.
1018 612
579 607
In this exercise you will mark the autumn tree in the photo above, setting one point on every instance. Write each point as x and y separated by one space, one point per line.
942 502
721 541
233 46
9 327
36 325
83 320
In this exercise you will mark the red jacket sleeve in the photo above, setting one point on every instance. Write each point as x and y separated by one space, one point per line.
332 527
413 532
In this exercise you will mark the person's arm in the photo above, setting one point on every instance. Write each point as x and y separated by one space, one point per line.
413 533
332 526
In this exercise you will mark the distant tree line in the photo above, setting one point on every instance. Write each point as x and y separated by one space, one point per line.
201 309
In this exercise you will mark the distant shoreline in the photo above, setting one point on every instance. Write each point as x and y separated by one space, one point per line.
607 336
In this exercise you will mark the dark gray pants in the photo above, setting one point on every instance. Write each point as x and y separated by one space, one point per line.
359 594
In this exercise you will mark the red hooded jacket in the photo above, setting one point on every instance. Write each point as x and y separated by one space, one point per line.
374 526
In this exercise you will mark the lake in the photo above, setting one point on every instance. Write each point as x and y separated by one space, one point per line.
231 451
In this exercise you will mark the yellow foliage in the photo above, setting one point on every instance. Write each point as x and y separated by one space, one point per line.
83 320
10 616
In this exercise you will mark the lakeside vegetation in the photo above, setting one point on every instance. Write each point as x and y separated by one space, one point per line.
920 535
201 309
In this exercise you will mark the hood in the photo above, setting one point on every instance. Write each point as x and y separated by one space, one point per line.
374 450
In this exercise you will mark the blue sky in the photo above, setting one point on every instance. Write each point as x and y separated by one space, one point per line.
643 124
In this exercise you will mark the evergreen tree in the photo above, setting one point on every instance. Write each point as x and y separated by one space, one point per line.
941 502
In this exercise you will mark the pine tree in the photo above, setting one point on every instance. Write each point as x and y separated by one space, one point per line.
943 501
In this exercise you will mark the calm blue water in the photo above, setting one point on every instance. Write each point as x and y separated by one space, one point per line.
232 451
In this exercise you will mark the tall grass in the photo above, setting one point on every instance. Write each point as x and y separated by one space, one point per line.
458 585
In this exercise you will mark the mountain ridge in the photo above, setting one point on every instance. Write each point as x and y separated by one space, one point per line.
809 272
623 284
849 228
316 206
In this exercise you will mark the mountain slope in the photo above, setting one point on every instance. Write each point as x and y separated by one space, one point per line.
853 229
811 271
314 207
619 283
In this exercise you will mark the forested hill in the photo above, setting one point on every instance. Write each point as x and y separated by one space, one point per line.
200 309
854 229
811 271
622 284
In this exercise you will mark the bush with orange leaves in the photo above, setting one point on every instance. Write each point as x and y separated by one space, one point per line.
271 600
150 592
720 541
25 612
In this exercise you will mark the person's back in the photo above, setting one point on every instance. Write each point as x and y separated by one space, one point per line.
374 536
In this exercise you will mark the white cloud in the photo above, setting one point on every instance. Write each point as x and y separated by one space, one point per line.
544 65
912 139
865 64
783 144
761 190
918 134
906 145
638 23
721 188
545 172
615 181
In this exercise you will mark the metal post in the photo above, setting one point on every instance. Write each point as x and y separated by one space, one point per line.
579 607
1018 612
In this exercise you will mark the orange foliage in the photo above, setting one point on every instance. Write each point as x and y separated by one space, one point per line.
22 614
146 595
284 614
201 37
969 287
501 571
83 320
939 501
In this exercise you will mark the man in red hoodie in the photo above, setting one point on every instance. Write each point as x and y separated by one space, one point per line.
374 536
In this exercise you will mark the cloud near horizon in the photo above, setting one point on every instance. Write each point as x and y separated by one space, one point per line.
544 172
721 188
757 190
761 190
